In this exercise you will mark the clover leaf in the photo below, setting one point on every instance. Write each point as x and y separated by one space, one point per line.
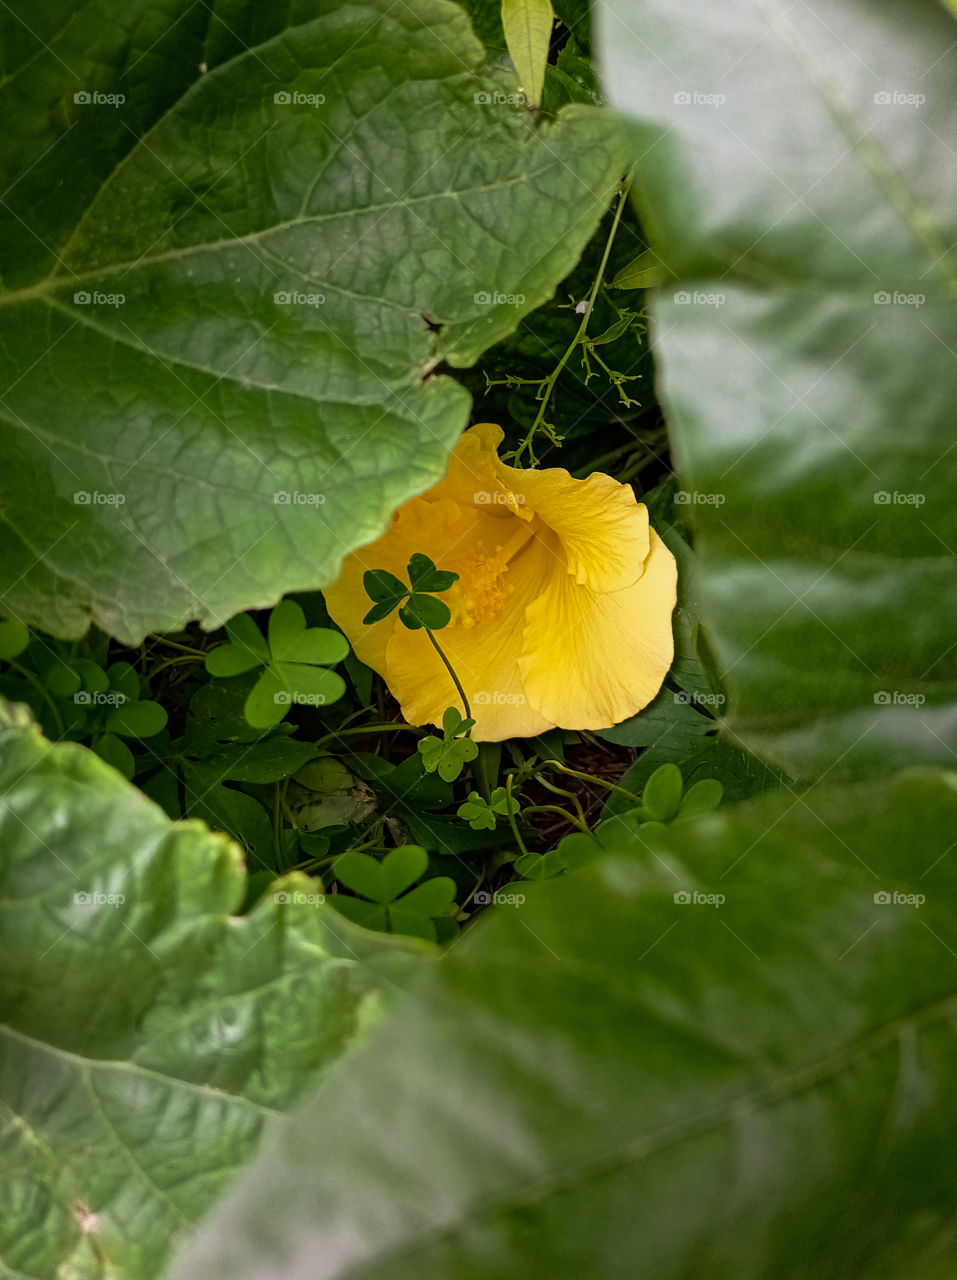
482 815
419 608
477 812
449 754
108 707
425 577
388 903
294 659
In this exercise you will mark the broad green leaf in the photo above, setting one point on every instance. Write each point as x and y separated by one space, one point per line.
226 809
220 374
671 718
216 716
271 760
148 1031
797 177
736 1062
527 25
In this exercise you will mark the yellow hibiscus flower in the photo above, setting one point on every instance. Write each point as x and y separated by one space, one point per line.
561 616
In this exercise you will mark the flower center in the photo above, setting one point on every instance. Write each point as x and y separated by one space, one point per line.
483 586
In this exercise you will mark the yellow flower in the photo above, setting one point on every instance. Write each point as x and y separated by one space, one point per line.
561 616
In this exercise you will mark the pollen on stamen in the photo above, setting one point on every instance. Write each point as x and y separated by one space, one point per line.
481 591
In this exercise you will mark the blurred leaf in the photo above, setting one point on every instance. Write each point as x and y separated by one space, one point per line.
736 1062
149 1032
796 177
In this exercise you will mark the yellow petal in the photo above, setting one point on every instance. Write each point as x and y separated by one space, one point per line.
602 526
592 659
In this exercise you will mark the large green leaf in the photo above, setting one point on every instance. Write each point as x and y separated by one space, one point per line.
225 295
797 174
148 1032
616 1078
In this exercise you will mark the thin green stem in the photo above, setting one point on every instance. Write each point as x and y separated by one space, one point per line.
448 667
556 808
548 384
367 728
560 791
511 816
175 644
174 662
277 825
590 777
